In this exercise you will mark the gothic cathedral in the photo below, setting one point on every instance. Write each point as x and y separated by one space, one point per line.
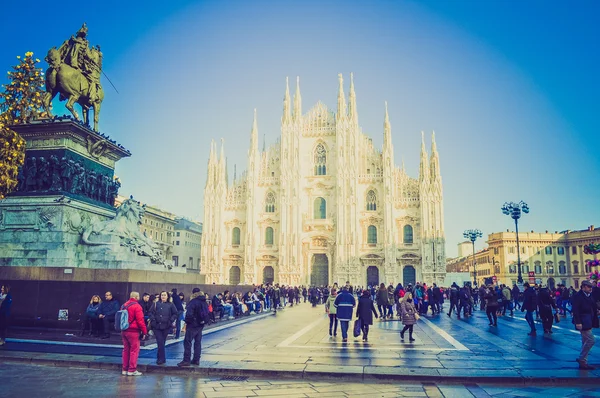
323 205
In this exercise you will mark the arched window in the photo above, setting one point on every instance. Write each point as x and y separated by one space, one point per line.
320 160
269 236
575 267
372 234
512 268
408 234
525 268
371 201
550 267
320 209
270 203
562 268
235 236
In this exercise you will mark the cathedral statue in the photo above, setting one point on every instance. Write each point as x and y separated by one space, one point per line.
74 73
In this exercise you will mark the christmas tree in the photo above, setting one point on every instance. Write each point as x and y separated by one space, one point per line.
21 102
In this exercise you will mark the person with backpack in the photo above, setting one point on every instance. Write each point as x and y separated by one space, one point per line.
195 319
162 315
130 322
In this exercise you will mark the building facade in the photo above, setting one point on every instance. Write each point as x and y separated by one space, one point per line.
187 241
546 258
323 205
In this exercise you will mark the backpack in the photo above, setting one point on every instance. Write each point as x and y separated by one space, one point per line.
122 318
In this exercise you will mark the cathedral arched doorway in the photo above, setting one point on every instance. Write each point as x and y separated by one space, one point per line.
320 270
372 276
409 275
234 275
268 274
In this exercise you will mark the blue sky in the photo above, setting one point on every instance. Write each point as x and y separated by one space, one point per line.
510 88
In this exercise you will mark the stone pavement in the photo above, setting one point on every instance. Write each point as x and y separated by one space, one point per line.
43 381
295 344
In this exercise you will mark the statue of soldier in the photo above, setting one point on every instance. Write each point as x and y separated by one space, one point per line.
107 188
43 174
114 190
20 179
76 181
66 169
76 48
55 181
91 185
31 178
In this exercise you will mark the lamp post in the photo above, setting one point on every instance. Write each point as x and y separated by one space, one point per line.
514 211
472 235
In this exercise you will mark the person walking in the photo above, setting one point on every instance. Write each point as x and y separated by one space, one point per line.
515 293
408 312
345 303
453 296
365 311
179 305
196 317
546 304
162 315
529 305
5 304
132 335
382 301
585 317
507 300
491 306
332 312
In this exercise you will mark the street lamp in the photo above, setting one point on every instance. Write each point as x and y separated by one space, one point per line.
514 211
472 235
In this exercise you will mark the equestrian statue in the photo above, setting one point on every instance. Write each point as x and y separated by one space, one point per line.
74 74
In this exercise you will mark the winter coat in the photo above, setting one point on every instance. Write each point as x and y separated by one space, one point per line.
491 299
382 297
197 312
162 315
506 294
146 306
437 294
545 300
584 308
329 305
109 308
136 317
408 312
177 301
529 300
365 310
92 310
5 306
345 302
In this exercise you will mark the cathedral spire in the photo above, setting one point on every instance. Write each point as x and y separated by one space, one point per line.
223 163
254 135
341 110
352 112
297 101
435 160
210 178
287 110
424 167
387 130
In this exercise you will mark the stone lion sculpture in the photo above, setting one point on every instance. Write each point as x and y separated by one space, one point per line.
125 226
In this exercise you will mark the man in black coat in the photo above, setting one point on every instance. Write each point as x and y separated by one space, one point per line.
106 313
437 299
196 317
453 296
529 305
585 317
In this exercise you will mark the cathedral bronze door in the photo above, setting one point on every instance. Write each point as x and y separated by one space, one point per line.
372 276
234 275
268 274
409 275
320 270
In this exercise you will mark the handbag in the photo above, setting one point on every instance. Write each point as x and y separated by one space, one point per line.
417 317
357 327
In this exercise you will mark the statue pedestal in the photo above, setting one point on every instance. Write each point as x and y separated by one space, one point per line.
67 187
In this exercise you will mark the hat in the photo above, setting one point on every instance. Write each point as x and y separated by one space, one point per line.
196 290
586 283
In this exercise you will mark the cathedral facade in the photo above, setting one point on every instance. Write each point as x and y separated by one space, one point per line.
323 205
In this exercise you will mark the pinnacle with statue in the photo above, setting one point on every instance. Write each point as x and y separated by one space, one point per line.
74 74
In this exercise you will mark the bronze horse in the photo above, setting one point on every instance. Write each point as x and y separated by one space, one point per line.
74 86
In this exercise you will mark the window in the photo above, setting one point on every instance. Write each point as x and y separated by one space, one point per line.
587 267
198 264
177 233
525 268
550 267
562 268
574 250
270 203
177 243
575 267
511 250
235 237
512 269
495 250
191 262
576 283
269 236
320 160
548 250
176 261
320 209
408 234
561 251
372 234
538 267
371 201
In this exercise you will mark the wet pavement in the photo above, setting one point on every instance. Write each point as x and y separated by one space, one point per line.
44 381
295 343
